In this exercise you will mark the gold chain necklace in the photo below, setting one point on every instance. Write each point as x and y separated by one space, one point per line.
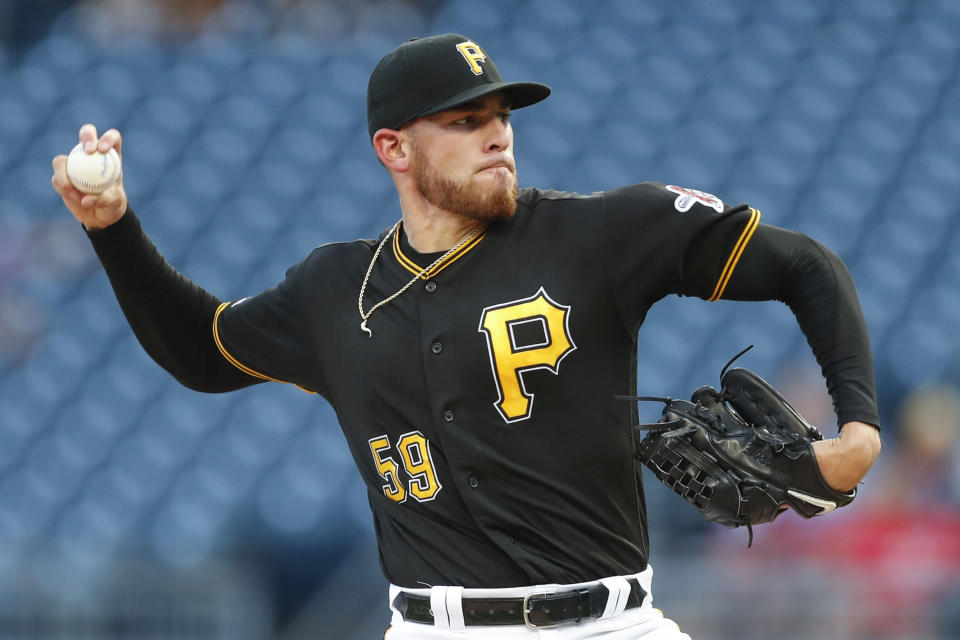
363 287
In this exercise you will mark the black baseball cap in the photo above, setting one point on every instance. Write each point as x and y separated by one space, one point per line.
427 75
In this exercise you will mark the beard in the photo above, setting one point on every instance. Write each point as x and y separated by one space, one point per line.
481 202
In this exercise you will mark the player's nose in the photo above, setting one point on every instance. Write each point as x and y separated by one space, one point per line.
499 135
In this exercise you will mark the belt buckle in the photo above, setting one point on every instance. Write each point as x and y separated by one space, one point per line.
526 612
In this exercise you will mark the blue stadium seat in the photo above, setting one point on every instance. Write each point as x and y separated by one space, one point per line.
333 215
64 55
777 43
198 182
173 221
183 536
873 12
544 143
166 114
617 44
51 470
18 426
597 171
196 81
855 41
694 171
924 349
227 148
854 171
307 149
137 470
592 77
287 180
114 82
85 537
39 86
110 503
220 51
347 78
812 106
274 81
937 170
325 115
767 181
561 18
17 123
752 74
943 130
226 470
801 14
307 480
87 429
484 25
248 114
931 34
302 55
27 507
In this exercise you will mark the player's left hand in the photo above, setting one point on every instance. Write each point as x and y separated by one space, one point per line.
845 460
742 455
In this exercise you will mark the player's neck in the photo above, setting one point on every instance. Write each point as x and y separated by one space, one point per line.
432 230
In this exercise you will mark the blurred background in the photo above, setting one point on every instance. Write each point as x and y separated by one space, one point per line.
133 508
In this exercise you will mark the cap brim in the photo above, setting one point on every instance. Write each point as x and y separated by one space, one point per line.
521 94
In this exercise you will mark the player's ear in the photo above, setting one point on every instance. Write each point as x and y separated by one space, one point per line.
391 149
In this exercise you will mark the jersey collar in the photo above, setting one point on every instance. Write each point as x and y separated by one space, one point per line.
410 264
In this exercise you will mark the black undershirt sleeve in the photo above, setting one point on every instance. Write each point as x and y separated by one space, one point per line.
783 265
171 316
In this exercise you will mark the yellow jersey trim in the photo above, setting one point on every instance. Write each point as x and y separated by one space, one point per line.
734 257
239 365
414 268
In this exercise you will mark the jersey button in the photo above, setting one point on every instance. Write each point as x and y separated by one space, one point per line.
474 483
436 347
448 415
430 287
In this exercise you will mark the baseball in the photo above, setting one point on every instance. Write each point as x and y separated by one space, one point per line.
92 172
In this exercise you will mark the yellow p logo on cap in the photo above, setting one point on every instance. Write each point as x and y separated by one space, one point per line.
473 54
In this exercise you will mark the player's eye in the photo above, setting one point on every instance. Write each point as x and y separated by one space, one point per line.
504 116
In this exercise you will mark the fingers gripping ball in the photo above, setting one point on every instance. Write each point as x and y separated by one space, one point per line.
92 172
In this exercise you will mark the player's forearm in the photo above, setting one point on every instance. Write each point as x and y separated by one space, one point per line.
170 315
816 285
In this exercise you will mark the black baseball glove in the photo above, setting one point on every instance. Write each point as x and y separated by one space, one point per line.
741 455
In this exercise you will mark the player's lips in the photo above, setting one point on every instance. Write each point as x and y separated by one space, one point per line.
493 166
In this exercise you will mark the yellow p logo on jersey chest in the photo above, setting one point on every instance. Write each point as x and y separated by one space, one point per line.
510 361
473 54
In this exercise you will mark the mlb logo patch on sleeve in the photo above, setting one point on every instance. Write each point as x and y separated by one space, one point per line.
686 198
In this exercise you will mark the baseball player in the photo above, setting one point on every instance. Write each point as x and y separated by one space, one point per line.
472 352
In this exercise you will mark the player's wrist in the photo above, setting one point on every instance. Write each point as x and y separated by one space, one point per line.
99 220
845 460
861 437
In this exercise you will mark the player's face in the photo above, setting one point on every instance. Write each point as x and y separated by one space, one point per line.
463 159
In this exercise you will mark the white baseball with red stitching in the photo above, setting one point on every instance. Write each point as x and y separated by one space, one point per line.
92 172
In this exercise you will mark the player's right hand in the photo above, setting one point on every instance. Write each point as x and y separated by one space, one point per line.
100 210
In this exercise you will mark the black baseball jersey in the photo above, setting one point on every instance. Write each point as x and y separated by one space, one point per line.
481 412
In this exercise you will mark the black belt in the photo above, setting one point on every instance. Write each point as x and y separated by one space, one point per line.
536 610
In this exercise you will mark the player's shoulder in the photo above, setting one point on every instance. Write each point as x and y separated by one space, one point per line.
657 197
643 194
533 198
325 256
